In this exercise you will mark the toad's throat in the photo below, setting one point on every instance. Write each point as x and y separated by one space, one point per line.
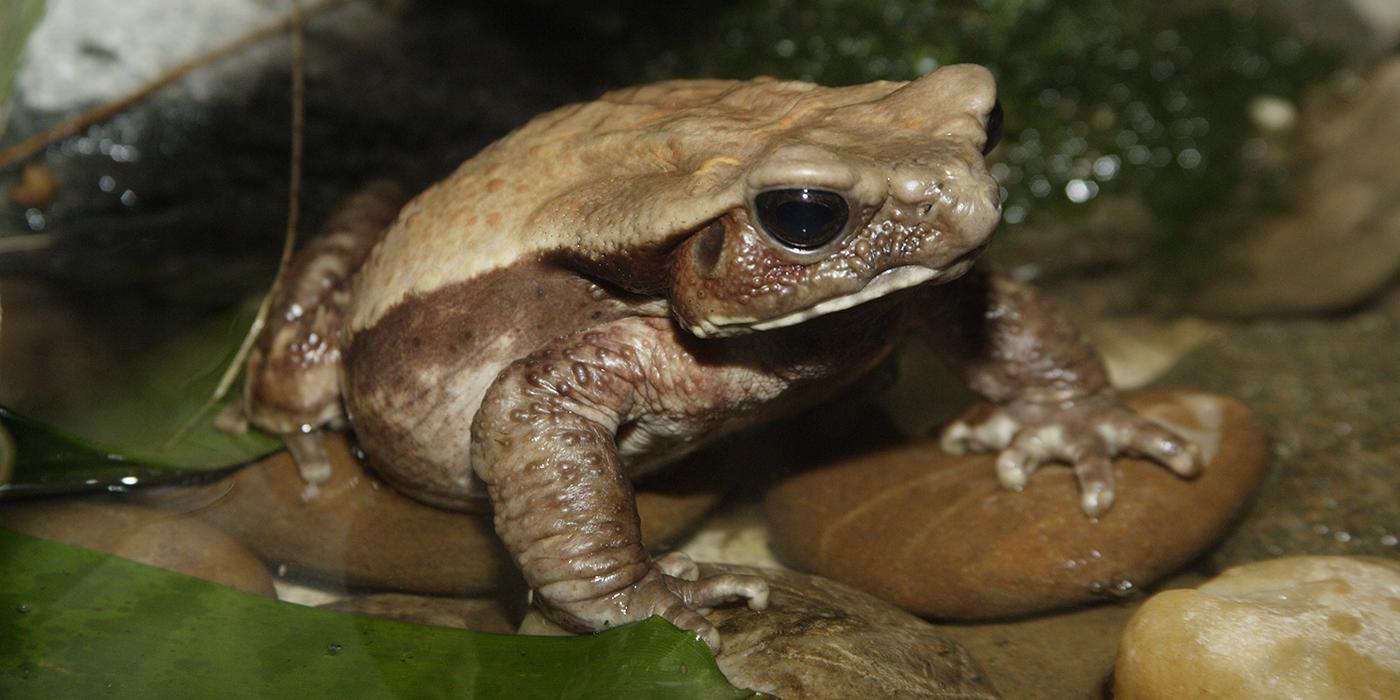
886 282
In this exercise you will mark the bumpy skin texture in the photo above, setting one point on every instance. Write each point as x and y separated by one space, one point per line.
600 292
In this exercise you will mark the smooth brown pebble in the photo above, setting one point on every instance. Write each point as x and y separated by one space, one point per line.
935 534
476 614
154 537
1300 627
359 531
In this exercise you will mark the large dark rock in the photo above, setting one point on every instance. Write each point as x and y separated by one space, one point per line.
820 639
476 614
184 196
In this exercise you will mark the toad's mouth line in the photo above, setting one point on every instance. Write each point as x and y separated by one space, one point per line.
889 281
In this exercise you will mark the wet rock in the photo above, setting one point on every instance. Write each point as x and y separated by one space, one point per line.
1346 224
1326 392
820 639
936 535
476 614
1301 627
158 538
361 532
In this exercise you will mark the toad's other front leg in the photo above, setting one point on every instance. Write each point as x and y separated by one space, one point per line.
545 443
292 383
1051 400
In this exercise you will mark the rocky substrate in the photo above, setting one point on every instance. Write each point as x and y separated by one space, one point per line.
937 535
1325 390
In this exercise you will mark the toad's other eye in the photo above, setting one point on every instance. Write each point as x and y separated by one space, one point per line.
993 128
802 219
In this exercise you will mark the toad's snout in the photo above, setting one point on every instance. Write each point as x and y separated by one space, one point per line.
920 195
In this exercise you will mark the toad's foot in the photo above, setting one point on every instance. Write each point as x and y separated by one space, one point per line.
308 449
1085 433
671 587
309 452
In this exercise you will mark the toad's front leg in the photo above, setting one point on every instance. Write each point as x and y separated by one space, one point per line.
1050 397
545 443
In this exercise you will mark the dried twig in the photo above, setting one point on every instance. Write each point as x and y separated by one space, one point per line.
297 19
32 145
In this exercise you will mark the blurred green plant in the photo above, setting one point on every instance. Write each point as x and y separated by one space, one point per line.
1137 98
151 419
17 18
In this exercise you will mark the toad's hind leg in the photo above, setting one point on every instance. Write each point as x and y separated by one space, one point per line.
292 385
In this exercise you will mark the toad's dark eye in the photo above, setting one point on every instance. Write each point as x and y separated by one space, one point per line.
802 219
993 128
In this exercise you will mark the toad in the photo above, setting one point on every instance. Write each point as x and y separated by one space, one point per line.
619 282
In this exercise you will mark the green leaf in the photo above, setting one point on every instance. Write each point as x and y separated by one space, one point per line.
82 624
151 420
17 18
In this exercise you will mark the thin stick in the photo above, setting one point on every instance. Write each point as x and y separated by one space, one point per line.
289 241
32 145
25 242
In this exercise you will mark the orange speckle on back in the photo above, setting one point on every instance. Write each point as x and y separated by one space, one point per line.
494 184
493 219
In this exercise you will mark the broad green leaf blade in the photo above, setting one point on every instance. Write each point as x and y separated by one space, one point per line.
152 420
82 624
43 460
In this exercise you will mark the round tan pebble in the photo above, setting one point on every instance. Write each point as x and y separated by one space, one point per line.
155 537
359 531
1300 627
937 535
37 187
